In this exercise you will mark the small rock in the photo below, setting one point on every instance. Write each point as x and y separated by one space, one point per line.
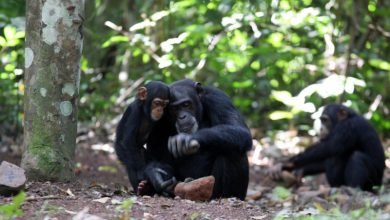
197 190
12 178
341 198
288 178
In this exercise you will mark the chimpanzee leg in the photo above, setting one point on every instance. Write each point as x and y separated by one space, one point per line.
161 177
231 176
360 172
335 169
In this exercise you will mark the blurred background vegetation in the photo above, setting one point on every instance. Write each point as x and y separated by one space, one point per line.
279 60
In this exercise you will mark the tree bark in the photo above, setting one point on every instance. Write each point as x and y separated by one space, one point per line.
52 77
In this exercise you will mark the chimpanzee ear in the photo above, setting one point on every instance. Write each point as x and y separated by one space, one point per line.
199 88
142 93
342 114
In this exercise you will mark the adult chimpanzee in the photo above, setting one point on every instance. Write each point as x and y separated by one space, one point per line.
212 138
134 129
349 151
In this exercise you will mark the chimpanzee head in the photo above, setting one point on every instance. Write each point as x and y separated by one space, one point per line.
332 115
185 105
155 97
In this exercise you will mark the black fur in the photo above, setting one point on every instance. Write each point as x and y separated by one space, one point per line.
351 154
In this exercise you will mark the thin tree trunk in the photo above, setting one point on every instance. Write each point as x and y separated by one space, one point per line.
52 77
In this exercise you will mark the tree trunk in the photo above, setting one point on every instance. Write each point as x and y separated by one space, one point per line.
52 78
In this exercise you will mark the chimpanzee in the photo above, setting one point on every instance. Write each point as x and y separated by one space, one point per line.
349 151
134 129
211 138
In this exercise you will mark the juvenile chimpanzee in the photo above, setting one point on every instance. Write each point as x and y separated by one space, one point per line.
211 138
349 151
135 127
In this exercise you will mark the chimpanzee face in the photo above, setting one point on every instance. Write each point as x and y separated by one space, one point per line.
155 97
157 108
185 106
326 126
332 114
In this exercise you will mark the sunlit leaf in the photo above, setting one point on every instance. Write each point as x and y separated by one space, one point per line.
276 39
115 39
282 96
159 15
278 115
145 58
380 64
3 42
281 192
243 84
9 32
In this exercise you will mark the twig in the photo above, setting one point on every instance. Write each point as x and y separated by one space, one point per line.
32 198
129 90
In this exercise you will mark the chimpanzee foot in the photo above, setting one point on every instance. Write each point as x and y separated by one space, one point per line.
197 190
144 188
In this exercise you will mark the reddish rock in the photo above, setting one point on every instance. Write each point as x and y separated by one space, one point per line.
197 190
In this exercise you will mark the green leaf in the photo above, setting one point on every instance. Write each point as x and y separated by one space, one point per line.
145 58
243 84
9 32
276 39
115 39
380 64
3 42
278 115
282 96
281 192
194 216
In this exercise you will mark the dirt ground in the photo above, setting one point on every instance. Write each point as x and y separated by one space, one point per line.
102 191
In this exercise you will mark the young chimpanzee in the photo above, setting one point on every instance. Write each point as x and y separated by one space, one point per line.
211 138
349 151
134 129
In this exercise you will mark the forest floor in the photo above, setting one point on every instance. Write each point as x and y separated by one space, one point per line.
101 191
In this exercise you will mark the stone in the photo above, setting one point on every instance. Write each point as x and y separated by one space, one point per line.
12 178
196 190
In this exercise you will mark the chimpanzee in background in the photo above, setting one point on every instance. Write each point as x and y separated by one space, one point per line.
211 138
349 151
134 129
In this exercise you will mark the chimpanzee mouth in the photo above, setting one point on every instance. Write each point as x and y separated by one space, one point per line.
188 129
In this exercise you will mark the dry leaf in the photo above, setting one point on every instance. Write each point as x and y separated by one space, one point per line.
102 200
259 217
70 192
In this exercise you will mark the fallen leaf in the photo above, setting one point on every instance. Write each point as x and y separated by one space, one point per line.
102 200
259 217
164 206
69 192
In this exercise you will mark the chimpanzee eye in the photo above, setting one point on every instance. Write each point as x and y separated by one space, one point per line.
186 104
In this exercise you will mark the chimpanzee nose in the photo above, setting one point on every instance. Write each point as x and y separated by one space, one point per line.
182 116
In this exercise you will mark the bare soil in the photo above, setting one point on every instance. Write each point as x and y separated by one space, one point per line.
101 191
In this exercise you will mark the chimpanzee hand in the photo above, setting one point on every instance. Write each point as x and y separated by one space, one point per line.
161 182
275 172
182 144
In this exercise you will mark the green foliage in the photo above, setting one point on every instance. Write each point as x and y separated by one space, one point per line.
281 192
125 208
13 210
276 59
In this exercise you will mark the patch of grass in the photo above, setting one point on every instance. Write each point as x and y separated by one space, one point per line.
13 210
125 208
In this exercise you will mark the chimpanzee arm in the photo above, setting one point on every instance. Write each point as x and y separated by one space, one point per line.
224 139
340 141
313 168
227 131
126 147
